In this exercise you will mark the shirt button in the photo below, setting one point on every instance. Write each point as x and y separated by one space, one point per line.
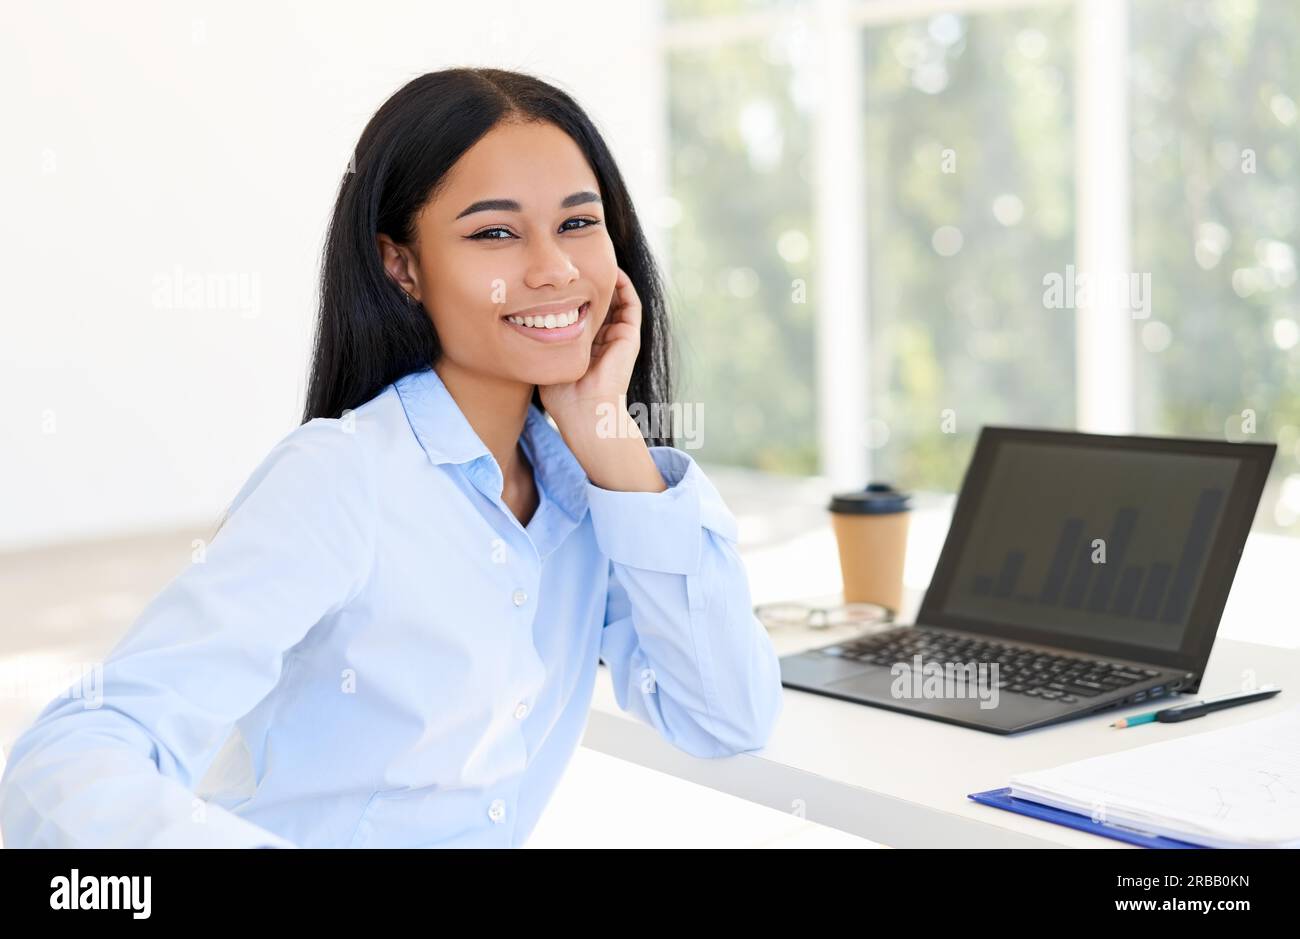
520 598
521 711
497 811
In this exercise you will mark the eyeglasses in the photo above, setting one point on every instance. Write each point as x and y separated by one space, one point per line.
815 617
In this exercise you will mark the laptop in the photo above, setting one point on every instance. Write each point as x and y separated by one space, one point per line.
1081 572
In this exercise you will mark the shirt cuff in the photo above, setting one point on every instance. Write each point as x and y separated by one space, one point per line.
661 531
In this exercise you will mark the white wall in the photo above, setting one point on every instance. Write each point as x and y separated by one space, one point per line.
144 138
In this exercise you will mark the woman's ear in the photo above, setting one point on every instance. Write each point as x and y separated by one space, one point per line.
399 264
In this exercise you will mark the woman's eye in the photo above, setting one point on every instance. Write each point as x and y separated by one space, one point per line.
487 234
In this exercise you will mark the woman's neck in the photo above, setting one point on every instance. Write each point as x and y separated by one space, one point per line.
496 408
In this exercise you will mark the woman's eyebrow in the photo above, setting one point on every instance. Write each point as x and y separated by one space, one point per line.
510 205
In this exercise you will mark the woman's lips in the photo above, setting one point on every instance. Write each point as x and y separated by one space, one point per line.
559 333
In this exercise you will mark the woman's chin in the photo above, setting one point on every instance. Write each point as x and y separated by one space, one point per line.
562 369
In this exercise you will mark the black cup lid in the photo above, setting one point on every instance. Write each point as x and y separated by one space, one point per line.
876 499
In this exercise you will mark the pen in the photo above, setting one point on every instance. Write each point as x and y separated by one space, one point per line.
1185 712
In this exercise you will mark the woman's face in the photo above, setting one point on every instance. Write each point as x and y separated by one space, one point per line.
518 229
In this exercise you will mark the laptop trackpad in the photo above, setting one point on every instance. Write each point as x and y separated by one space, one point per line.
817 670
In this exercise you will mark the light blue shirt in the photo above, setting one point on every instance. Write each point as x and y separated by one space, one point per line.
373 652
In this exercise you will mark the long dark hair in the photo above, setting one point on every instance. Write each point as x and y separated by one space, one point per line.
368 333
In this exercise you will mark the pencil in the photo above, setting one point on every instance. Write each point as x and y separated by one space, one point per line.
1135 719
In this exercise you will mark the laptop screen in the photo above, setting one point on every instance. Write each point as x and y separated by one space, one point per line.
1093 544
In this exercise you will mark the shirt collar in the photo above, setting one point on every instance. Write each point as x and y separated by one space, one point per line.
448 437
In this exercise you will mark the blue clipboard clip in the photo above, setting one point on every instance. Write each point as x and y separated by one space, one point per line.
1002 799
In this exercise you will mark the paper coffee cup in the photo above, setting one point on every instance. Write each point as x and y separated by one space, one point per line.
871 533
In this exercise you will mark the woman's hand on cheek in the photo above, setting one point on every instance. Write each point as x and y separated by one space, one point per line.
591 413
613 354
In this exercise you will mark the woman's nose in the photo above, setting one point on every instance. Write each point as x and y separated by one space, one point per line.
549 264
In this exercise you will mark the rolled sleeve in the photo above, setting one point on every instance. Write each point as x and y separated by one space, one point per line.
661 531
686 653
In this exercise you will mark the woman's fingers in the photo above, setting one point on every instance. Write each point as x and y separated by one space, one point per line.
629 304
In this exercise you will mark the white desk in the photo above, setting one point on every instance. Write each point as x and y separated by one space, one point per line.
902 780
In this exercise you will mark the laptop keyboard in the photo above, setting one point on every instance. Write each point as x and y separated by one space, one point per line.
1024 671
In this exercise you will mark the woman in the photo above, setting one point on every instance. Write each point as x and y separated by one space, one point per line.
402 615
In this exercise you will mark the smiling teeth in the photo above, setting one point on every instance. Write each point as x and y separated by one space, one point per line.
549 321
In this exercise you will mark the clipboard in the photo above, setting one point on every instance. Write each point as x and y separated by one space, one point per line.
1002 799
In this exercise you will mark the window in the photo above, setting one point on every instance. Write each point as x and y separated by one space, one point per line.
1215 155
970 163
863 276
740 171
